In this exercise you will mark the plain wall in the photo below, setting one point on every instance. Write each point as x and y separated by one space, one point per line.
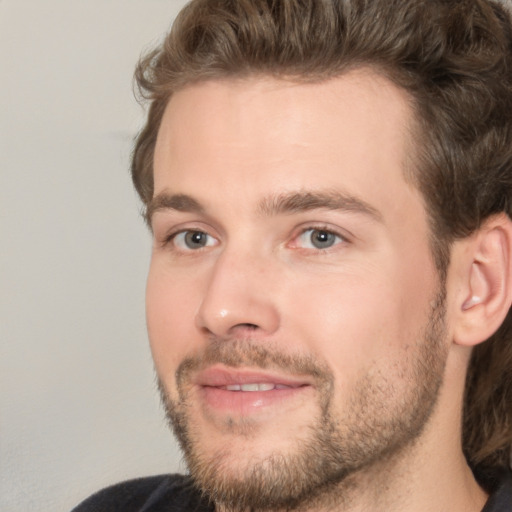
78 402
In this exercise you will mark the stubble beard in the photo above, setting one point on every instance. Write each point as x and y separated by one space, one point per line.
317 474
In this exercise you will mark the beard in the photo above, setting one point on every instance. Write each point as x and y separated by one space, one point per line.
378 423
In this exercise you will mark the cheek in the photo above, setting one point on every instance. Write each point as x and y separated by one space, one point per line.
355 321
343 326
170 317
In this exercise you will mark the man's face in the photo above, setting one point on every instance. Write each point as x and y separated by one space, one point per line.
294 311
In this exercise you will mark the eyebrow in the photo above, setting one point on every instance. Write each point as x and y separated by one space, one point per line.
296 202
178 202
281 204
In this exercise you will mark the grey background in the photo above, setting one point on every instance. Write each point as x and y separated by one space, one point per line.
78 407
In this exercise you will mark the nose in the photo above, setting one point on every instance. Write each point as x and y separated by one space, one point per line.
238 298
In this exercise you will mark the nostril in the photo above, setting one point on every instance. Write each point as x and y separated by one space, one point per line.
244 329
224 311
251 327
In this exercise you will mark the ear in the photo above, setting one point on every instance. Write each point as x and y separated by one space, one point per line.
482 270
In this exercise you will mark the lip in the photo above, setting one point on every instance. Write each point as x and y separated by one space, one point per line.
212 384
218 376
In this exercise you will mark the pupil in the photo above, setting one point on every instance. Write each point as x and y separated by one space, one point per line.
195 238
322 239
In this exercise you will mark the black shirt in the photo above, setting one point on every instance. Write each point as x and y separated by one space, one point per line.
176 493
164 493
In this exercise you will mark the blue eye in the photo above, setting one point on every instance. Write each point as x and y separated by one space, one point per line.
318 239
193 240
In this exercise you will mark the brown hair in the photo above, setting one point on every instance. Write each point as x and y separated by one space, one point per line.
454 59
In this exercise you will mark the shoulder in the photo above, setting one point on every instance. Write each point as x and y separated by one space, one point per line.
163 493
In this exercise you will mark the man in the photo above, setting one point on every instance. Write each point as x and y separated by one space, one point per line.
329 188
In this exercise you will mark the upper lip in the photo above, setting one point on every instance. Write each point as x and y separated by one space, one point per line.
219 376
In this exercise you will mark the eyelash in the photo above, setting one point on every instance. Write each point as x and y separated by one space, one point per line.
171 237
322 228
342 239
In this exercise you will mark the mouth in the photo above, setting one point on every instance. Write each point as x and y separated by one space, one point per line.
252 387
244 392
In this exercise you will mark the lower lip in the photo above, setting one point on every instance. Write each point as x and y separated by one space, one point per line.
245 403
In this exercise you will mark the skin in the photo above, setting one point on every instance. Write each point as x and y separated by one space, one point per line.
358 308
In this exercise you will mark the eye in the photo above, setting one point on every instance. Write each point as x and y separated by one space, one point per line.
318 239
193 240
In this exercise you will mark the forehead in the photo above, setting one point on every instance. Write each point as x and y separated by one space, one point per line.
352 132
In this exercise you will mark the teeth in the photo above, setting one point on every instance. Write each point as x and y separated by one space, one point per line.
254 387
266 387
250 387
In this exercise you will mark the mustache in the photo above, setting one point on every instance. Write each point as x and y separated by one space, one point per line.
236 353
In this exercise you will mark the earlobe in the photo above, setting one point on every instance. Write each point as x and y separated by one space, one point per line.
486 291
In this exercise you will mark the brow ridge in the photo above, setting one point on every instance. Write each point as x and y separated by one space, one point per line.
178 202
296 202
279 204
